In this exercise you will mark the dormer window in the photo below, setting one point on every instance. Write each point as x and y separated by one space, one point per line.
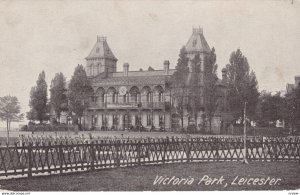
194 43
97 50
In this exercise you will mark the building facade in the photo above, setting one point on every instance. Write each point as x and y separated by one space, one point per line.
139 100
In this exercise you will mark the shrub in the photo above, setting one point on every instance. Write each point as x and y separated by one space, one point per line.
24 128
49 127
191 128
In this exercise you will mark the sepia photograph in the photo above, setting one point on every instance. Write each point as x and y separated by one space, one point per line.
153 95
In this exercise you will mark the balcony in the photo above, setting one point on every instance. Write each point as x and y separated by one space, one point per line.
122 105
144 105
98 105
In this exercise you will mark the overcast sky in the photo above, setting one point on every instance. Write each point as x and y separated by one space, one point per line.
55 36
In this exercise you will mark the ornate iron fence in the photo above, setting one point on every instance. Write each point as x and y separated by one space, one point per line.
50 157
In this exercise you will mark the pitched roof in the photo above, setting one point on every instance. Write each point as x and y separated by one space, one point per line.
197 42
155 77
101 50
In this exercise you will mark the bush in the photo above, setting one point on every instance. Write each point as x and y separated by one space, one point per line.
48 127
191 128
24 128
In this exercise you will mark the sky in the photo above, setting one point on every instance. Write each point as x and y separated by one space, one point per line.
55 36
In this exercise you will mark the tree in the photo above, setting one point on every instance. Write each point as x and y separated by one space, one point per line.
243 86
39 109
193 82
78 94
292 108
58 98
10 111
271 108
179 83
211 91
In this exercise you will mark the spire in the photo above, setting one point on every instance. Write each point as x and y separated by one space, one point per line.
197 42
101 50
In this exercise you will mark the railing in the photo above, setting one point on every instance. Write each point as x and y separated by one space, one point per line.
72 156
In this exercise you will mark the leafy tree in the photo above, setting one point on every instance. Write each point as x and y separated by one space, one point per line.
194 99
58 98
179 83
78 94
243 86
291 114
271 108
39 109
10 111
211 91
150 68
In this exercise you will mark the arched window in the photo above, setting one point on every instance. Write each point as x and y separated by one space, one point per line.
90 71
114 97
149 97
160 97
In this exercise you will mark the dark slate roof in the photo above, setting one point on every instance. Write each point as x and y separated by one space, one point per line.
133 78
101 50
197 42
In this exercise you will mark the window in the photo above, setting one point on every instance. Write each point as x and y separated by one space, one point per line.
160 97
115 120
114 97
195 43
95 120
97 50
149 97
94 98
134 97
102 97
104 120
149 120
161 120
90 71
137 120
124 98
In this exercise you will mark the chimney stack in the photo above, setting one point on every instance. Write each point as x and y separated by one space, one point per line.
224 75
297 81
166 66
125 69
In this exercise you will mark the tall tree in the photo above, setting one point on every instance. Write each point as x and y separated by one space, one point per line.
39 109
58 98
292 108
211 91
179 87
78 94
243 86
10 111
193 83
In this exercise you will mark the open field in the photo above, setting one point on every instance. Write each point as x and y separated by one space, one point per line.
142 178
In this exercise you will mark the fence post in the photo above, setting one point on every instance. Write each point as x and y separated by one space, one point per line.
30 159
188 158
165 149
117 153
60 153
92 155
139 152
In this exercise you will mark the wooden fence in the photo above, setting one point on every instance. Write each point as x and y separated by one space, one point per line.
70 156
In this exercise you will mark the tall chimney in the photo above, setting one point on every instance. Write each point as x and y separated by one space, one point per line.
166 66
125 69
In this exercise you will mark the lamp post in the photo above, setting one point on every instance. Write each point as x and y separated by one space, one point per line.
245 134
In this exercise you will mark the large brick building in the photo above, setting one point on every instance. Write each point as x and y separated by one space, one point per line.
130 99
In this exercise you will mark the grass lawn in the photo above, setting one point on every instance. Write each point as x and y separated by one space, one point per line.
142 178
